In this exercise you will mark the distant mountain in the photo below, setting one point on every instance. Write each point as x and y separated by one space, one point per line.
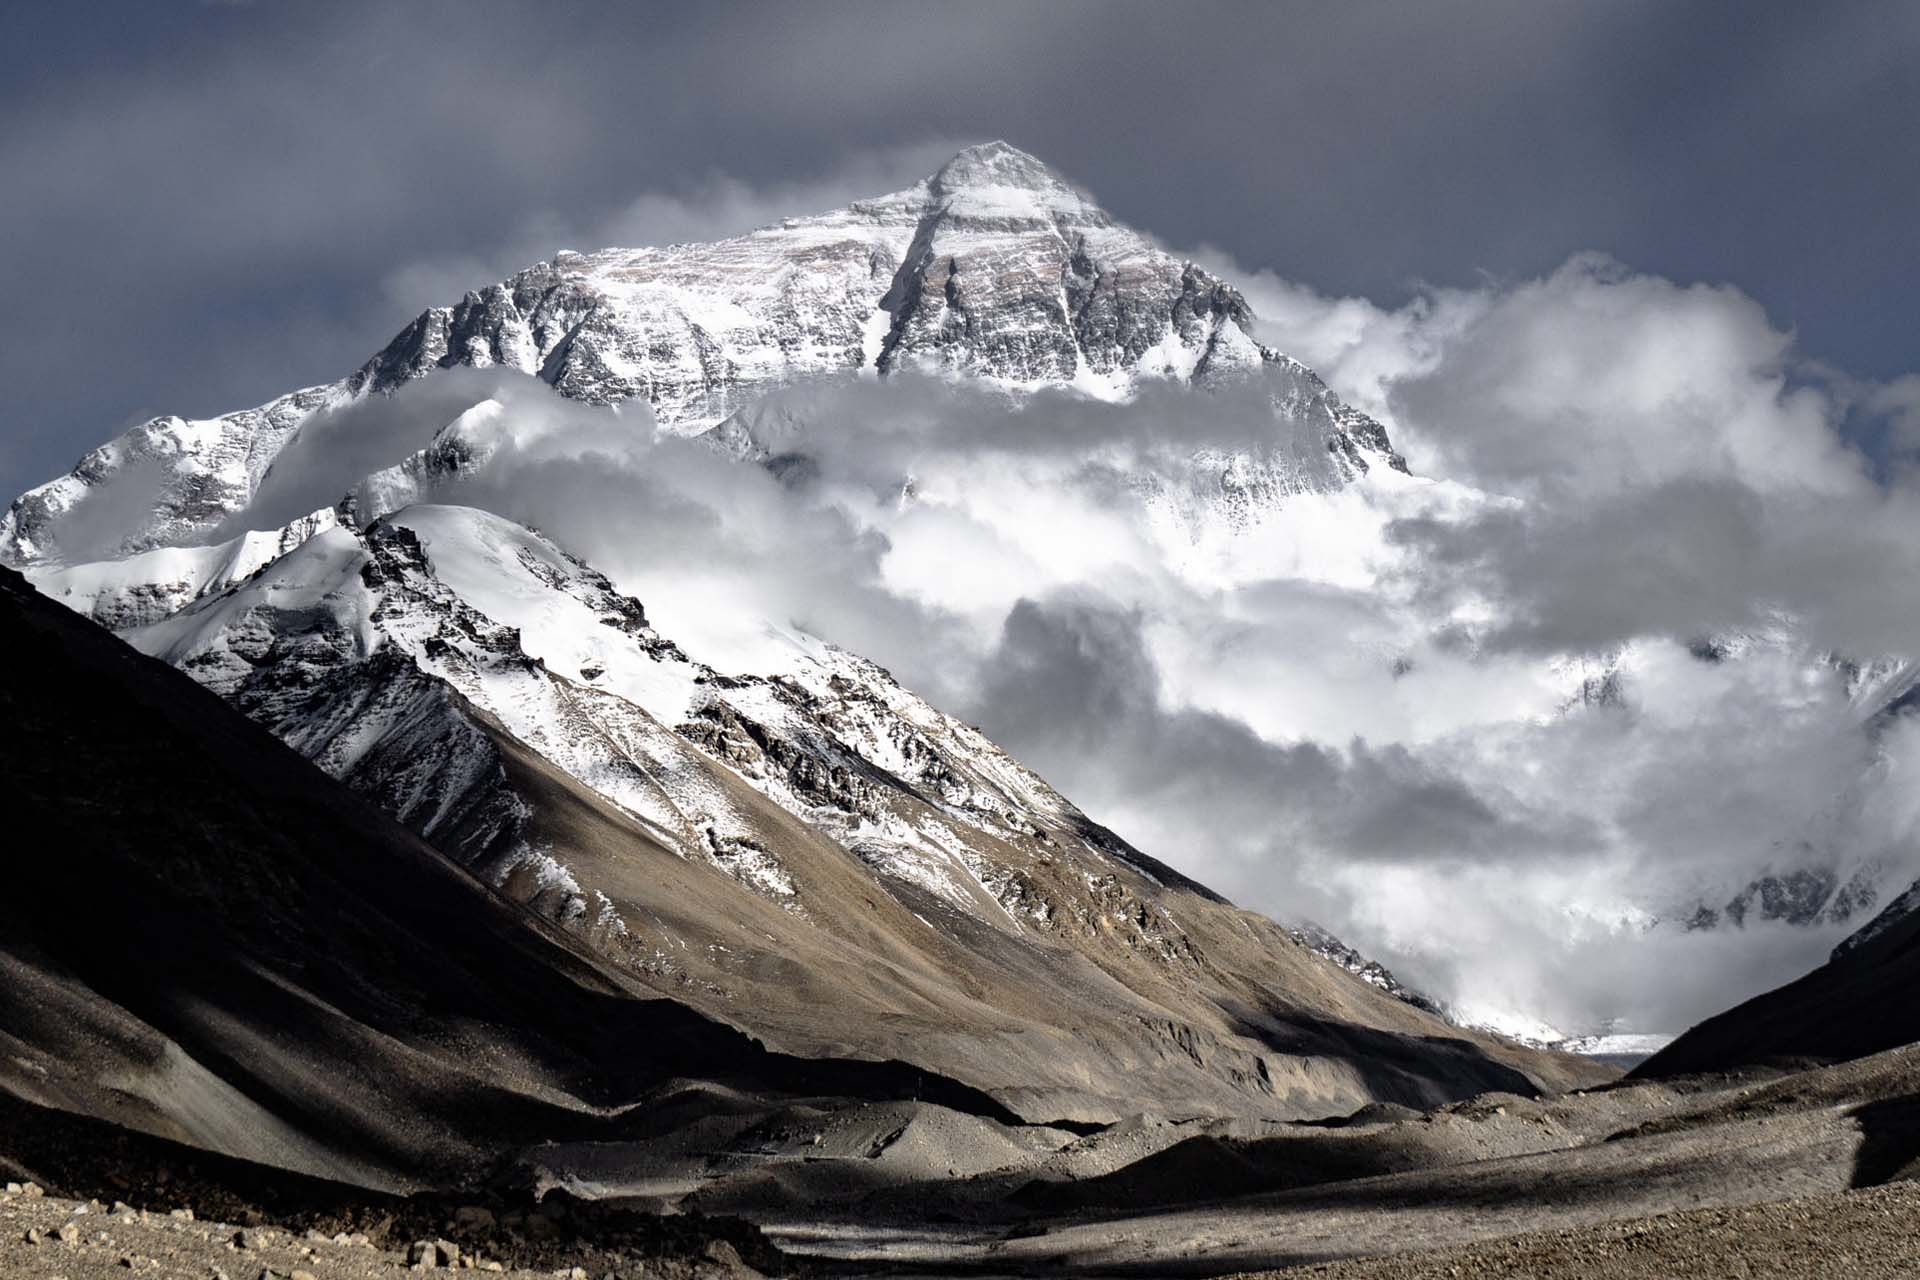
993 268
1859 1002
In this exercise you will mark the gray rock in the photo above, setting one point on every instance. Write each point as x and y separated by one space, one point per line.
428 1254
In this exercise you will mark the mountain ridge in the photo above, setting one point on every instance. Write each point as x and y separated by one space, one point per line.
995 292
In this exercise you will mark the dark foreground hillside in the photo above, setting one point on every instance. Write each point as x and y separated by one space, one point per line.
1861 1001
207 939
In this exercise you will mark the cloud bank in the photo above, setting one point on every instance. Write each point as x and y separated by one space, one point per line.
1505 730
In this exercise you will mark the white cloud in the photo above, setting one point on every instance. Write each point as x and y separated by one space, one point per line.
1363 707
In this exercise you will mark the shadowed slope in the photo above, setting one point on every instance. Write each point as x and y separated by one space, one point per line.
1860 1002
206 938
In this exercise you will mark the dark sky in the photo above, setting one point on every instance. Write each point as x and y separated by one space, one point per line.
205 205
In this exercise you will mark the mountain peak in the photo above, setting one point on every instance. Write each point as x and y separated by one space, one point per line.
995 164
997 182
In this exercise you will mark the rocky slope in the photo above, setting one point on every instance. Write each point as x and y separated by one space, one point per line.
813 854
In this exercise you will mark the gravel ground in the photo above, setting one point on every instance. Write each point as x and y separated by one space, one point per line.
46 1236
1859 1235
52 1238
1757 1174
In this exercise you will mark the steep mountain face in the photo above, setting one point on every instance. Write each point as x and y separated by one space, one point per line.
992 268
800 846
990 273
814 854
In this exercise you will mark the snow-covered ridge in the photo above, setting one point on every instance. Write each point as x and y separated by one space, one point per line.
343 644
993 268
150 585
1901 908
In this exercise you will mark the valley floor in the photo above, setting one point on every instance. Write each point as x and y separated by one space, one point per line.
1786 1173
1868 1234
1872 1234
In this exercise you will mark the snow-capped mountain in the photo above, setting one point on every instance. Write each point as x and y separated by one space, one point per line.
992 268
785 838
992 273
